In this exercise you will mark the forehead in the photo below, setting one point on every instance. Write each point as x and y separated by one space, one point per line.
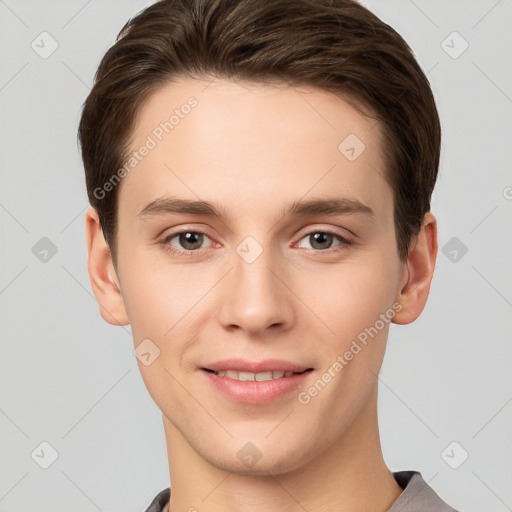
223 137
254 110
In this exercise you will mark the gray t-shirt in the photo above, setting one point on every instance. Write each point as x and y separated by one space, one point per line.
417 496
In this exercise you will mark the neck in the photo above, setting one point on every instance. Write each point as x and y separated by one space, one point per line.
350 475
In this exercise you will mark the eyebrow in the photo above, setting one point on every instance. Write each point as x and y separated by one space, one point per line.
326 206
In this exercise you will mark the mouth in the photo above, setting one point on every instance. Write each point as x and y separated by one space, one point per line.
256 382
256 377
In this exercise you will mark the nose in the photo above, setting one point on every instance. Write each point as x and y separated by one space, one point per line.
254 297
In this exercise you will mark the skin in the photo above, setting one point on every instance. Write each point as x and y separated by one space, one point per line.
253 150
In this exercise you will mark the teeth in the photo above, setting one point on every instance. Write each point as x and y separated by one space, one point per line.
263 376
258 377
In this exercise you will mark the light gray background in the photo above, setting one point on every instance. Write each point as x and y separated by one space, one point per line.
69 379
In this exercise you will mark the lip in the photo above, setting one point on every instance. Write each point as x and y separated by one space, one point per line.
254 392
242 365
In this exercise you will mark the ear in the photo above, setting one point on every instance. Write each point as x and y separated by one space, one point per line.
102 274
418 272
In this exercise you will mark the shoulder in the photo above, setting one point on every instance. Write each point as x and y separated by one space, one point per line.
417 495
160 501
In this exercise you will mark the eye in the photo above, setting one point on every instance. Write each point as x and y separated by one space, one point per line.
323 240
188 240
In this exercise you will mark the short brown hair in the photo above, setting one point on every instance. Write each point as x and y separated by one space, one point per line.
335 45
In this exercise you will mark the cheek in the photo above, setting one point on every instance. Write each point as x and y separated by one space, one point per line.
351 296
169 304
156 296
162 305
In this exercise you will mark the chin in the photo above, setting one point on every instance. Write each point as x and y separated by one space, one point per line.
249 461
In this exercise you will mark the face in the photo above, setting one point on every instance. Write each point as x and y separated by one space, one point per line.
256 237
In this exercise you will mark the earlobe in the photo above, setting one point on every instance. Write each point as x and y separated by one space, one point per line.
418 273
102 274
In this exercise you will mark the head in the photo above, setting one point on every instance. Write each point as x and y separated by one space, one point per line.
219 140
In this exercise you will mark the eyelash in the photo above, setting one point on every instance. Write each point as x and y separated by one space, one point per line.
183 252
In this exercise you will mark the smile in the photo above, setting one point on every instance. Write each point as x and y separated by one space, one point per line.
257 377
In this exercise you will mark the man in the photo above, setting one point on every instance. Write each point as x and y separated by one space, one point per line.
260 176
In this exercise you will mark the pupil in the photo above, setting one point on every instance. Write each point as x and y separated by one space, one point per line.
191 240
322 239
